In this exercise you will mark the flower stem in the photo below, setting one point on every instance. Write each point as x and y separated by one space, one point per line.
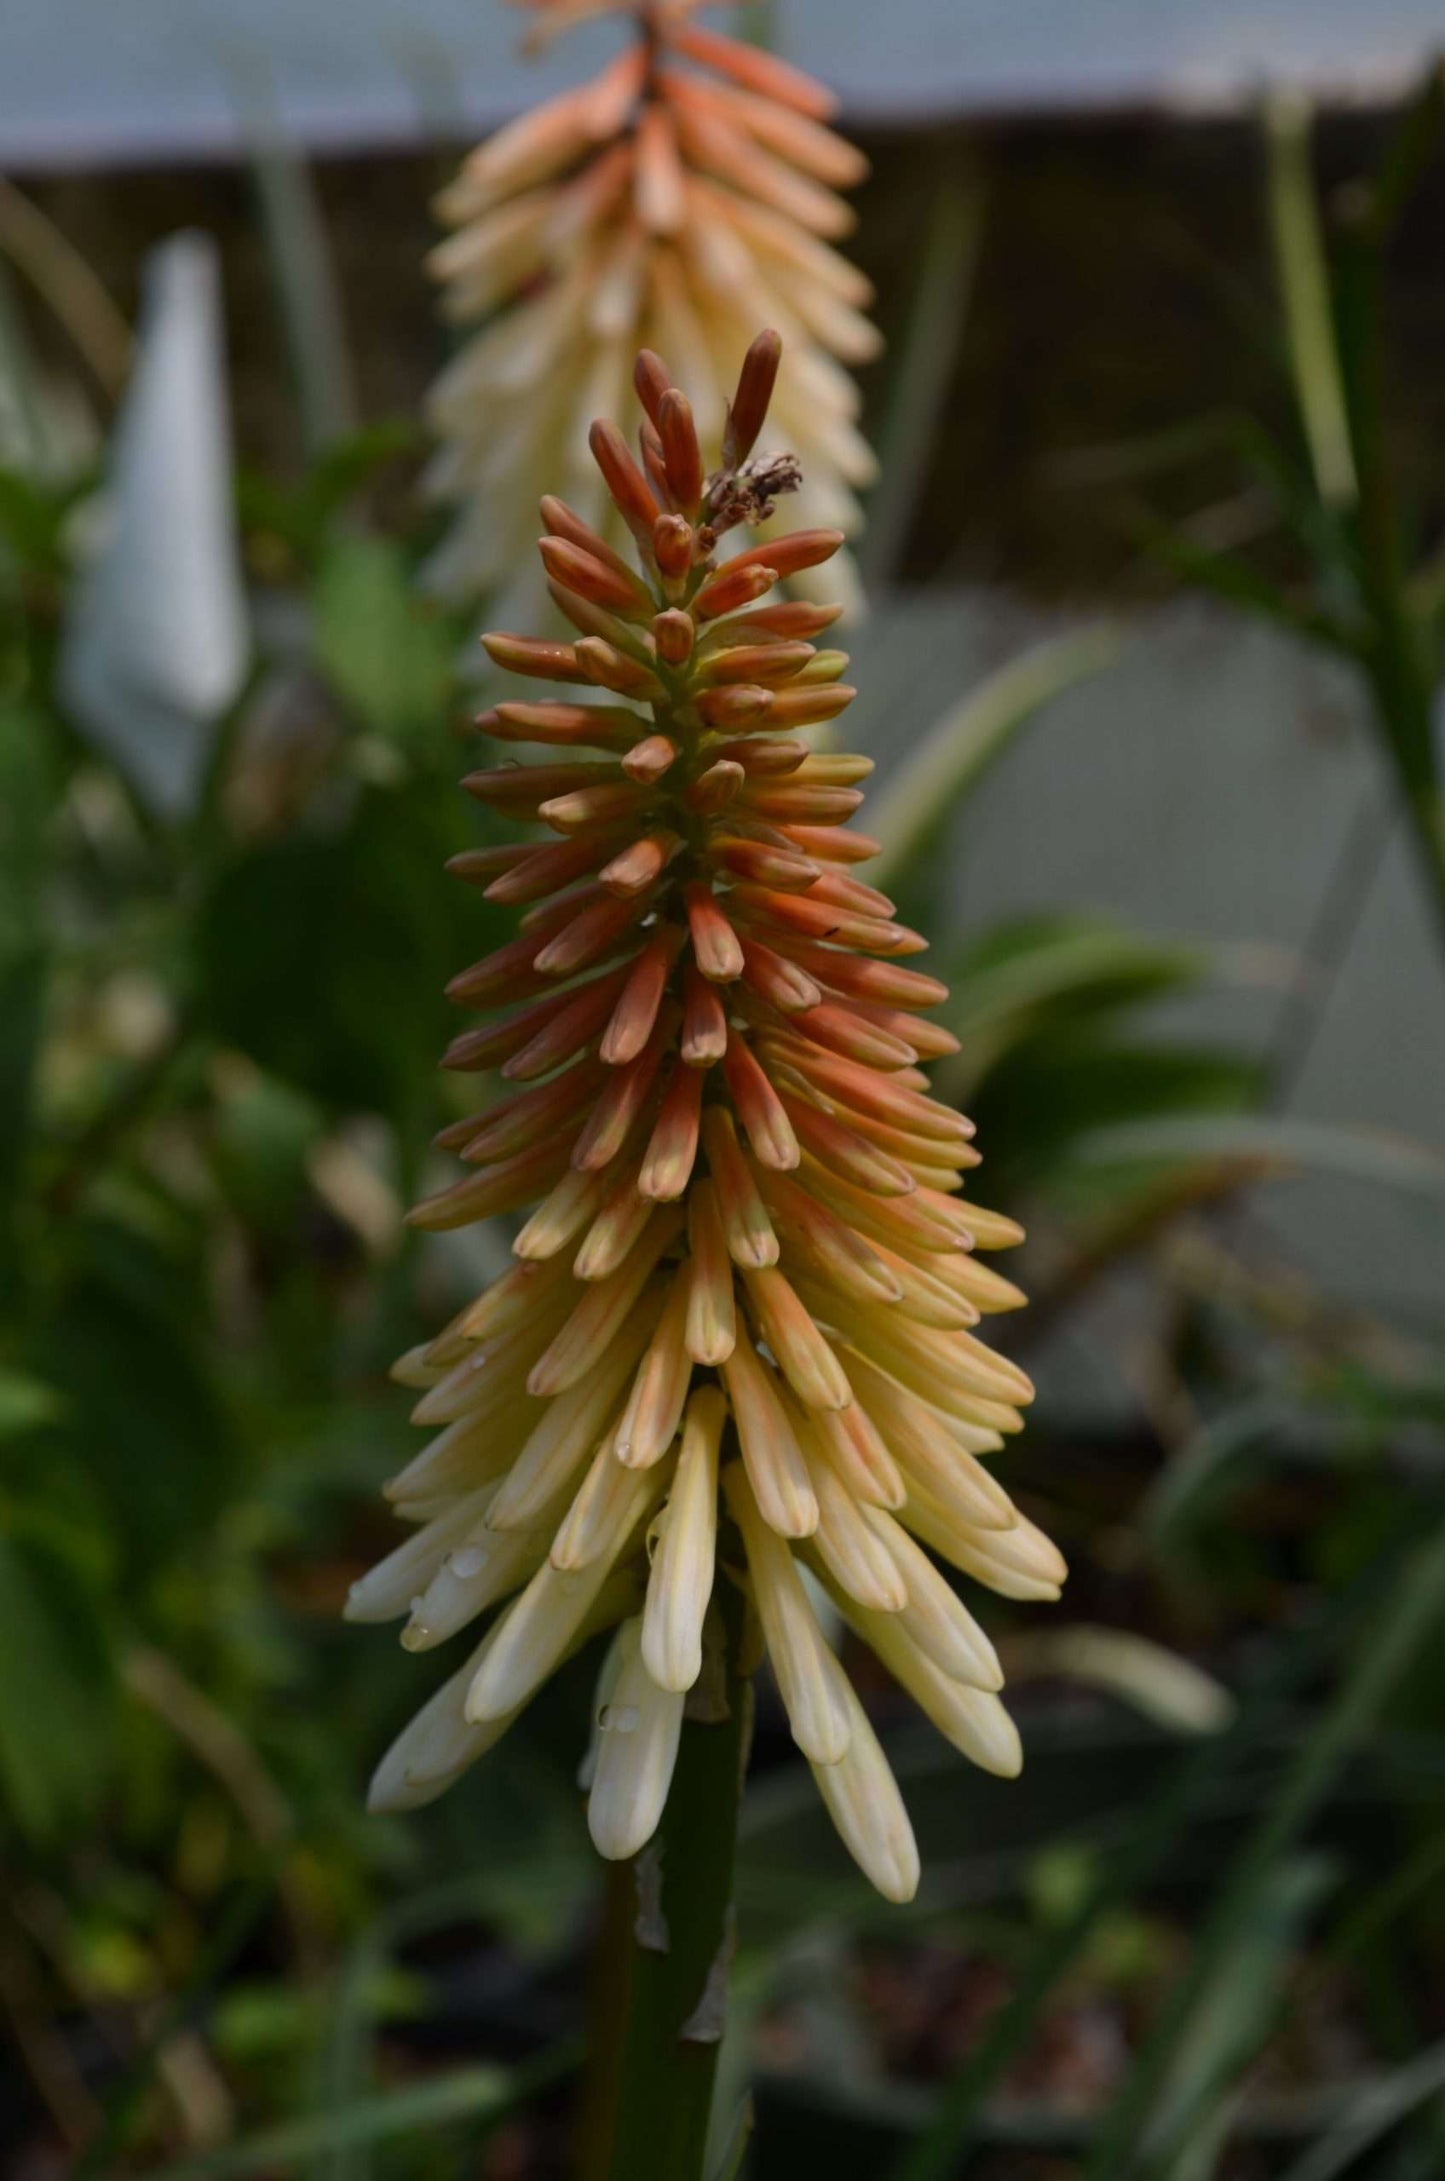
666 1940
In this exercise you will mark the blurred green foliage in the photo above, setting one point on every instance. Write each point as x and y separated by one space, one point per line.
1184 1944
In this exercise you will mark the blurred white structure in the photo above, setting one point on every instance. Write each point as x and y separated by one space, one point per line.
157 641
86 82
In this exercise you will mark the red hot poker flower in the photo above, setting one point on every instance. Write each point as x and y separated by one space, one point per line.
746 1289
689 193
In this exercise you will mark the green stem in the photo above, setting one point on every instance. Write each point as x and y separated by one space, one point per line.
665 1944
1336 358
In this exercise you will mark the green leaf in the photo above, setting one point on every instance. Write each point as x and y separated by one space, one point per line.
22 1005
142 1421
29 786
1053 1099
25 1402
303 268
302 513
1356 1154
32 520
263 1134
1060 965
1226 576
1370 2116
923 359
56 1689
941 771
472 2094
1230 2020
1323 531
1380 1661
733 2155
1137 1857
228 1931
1303 274
387 651
522 1833
26 434
323 959
349 464
1191 1479
28 789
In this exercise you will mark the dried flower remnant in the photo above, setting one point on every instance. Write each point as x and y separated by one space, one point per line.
685 196
738 1342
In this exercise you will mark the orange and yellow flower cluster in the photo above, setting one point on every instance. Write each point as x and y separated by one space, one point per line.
686 196
738 1342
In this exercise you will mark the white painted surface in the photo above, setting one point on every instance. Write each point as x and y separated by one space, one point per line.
85 82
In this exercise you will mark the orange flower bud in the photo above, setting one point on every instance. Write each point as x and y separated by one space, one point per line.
681 454
749 405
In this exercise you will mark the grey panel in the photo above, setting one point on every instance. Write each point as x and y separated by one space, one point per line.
1206 788
89 81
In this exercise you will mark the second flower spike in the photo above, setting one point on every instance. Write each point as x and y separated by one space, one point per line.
688 194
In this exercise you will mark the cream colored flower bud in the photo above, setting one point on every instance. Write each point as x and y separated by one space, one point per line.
865 1805
638 1730
812 1684
680 1584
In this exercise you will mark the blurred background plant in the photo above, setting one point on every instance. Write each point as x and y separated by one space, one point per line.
684 197
1204 1934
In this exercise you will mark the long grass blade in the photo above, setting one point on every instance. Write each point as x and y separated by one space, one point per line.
922 371
1374 2113
471 2094
937 2154
302 266
1413 1609
1305 292
66 282
1231 2020
25 442
1355 1154
231 1934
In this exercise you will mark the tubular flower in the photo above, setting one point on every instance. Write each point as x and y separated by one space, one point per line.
738 1334
684 197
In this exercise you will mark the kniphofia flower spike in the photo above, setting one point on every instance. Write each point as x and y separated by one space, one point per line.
738 1341
686 196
